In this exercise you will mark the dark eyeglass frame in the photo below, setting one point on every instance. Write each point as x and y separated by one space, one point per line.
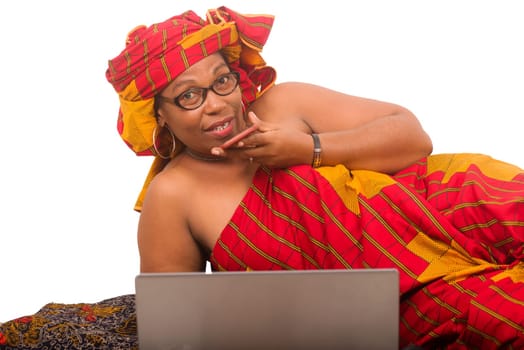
204 91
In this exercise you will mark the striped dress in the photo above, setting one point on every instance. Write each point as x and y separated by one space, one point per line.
452 224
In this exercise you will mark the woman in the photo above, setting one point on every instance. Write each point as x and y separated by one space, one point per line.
357 132
309 188
325 181
353 134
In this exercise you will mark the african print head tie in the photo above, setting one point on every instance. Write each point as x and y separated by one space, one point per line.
155 55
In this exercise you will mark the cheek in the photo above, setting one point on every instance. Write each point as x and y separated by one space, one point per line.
236 102
180 124
184 127
176 121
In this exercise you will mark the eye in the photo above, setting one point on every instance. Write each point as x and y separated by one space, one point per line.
223 79
225 84
189 96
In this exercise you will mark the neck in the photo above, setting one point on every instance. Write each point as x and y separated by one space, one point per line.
202 157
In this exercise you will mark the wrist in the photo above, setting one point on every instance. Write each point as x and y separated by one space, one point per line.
317 151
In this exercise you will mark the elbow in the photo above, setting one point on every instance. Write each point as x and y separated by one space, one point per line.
429 149
412 152
412 141
426 145
421 143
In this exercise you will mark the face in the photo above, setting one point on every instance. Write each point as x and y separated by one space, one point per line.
216 119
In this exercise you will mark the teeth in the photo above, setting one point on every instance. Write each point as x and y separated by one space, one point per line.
221 127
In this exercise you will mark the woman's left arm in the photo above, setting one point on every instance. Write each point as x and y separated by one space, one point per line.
357 132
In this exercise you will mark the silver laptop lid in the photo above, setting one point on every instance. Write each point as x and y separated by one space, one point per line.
320 309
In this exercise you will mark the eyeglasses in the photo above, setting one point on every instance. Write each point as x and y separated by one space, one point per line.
195 97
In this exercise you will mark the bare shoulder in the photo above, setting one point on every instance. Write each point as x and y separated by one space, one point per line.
312 103
283 93
286 100
298 94
296 98
165 194
169 185
164 238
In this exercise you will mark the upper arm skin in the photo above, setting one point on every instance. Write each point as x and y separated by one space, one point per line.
164 239
359 132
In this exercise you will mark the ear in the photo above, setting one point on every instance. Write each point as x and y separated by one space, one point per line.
160 119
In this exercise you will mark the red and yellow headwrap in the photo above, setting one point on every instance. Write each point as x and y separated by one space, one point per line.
155 55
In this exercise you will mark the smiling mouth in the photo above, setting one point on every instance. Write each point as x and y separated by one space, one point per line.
221 127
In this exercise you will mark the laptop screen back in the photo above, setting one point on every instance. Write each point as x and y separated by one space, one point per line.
320 309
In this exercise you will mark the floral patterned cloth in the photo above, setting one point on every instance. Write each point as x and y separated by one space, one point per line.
109 324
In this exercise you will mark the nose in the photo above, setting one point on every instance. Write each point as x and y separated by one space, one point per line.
214 103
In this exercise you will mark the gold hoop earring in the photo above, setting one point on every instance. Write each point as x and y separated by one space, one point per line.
172 148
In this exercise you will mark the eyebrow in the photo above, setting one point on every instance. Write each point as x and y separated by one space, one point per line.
192 81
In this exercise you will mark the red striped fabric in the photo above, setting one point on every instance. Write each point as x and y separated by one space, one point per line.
453 225
155 55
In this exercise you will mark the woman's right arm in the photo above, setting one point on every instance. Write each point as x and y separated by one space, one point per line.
164 240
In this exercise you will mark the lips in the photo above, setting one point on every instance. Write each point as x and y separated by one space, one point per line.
221 129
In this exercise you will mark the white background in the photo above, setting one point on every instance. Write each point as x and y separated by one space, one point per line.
68 183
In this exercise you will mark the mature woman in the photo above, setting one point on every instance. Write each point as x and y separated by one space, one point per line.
203 81
309 189
326 180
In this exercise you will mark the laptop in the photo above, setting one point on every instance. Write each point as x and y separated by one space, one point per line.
312 309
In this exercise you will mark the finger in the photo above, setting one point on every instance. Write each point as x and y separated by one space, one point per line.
262 125
255 120
217 151
252 117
